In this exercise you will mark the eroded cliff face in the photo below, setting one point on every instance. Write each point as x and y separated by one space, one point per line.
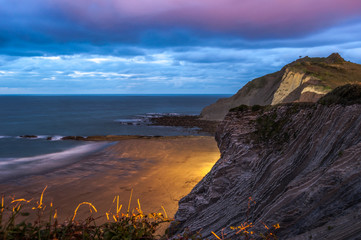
304 80
291 81
257 92
300 163
284 86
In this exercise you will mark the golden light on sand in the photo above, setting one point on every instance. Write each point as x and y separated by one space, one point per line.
208 166
160 171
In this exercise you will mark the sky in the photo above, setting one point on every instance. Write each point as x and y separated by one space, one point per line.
165 46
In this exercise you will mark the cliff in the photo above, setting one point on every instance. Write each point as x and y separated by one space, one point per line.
300 163
304 80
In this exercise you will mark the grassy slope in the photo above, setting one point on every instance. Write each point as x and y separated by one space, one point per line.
333 71
327 74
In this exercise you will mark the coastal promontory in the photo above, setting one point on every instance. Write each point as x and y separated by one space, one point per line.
304 80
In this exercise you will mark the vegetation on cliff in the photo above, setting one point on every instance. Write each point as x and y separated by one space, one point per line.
304 80
333 71
270 126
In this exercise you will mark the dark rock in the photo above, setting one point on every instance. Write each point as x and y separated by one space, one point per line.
107 137
186 121
73 138
29 136
300 164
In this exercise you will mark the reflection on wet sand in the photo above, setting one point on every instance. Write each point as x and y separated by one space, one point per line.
160 171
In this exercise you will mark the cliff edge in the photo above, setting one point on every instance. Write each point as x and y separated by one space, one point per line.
300 163
304 80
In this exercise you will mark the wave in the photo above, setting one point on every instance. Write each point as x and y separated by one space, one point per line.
36 137
42 136
130 121
56 138
17 167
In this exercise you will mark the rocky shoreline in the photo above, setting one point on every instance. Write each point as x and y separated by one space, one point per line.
193 122
94 138
186 121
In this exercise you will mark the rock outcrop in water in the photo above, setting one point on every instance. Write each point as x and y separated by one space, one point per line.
301 163
304 80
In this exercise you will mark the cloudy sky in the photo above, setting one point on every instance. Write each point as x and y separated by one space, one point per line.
165 46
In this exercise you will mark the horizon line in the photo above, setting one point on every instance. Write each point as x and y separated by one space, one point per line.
110 94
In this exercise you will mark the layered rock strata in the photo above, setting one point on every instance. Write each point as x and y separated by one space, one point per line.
300 163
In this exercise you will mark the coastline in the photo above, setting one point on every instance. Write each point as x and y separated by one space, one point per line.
193 123
160 170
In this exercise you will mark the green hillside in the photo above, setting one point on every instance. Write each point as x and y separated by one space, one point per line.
333 71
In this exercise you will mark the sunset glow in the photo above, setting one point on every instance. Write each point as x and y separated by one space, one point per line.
165 46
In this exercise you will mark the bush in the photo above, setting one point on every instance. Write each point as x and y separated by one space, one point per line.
131 225
241 108
256 108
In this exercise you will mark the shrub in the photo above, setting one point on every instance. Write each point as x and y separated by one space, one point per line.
130 225
241 108
256 108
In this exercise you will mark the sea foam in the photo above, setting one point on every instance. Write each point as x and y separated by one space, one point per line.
15 167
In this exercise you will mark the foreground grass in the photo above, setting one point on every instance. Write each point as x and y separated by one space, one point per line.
132 224
129 225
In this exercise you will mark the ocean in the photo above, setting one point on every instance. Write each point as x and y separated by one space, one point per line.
81 115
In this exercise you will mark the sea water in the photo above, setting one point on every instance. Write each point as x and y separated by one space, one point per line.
81 115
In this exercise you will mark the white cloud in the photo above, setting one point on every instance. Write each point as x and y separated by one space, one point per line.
49 78
157 58
174 70
48 58
98 60
79 74
6 72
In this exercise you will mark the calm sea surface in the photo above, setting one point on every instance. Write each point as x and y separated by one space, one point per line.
57 116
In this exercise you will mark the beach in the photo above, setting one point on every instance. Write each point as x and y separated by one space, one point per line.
159 170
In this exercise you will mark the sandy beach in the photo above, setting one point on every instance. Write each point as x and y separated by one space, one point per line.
160 171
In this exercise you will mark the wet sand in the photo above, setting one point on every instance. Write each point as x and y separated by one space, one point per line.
160 171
